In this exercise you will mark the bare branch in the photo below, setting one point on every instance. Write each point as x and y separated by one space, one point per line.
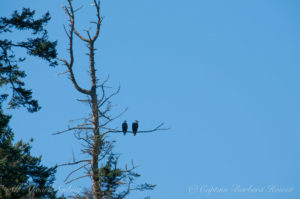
78 8
65 62
73 163
87 139
158 128
70 13
88 175
78 119
61 73
101 103
73 128
80 36
72 172
84 100
88 33
72 77
103 89
66 31
99 19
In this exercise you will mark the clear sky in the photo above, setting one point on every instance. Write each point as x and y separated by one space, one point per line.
224 74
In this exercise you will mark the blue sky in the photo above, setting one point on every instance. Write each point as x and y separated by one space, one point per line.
223 74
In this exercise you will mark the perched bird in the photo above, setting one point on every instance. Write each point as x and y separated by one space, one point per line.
124 127
135 127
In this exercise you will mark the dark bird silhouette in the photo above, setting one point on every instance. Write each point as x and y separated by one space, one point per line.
135 127
124 127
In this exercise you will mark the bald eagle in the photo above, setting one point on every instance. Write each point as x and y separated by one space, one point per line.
135 127
124 127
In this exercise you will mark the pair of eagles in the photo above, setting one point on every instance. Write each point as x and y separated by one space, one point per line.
135 127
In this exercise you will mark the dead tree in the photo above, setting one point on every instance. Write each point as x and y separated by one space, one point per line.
93 130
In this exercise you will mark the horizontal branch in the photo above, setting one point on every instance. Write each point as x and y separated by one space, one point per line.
158 128
73 163
73 128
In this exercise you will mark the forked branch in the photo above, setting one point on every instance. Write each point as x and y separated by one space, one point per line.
69 64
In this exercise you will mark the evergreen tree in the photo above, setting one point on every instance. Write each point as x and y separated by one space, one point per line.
38 45
22 176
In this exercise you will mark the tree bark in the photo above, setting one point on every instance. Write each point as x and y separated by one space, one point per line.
97 139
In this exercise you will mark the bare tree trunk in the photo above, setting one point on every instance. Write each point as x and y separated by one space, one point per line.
96 147
95 116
